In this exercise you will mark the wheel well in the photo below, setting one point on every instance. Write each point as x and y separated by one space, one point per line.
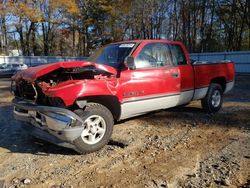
221 81
110 102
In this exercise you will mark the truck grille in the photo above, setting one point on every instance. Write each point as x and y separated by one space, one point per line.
25 90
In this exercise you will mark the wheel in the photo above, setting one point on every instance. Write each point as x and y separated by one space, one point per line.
98 127
214 98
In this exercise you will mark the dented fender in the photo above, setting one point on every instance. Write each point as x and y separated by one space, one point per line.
80 89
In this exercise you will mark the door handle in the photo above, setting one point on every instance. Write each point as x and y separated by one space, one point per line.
175 75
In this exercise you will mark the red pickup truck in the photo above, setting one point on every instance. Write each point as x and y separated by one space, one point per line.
75 104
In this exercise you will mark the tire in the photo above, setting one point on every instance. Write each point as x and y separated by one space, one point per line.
213 99
95 135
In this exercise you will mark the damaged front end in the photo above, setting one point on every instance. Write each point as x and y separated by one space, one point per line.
42 84
44 97
54 124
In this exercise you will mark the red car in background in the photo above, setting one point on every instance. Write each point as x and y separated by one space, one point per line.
75 104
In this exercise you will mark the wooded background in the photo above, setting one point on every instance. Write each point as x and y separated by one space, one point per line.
77 27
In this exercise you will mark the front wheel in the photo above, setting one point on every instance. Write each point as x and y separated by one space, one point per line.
214 98
98 127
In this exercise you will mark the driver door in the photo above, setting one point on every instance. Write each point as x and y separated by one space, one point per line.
153 85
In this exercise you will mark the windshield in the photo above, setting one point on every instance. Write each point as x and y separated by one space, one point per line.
112 55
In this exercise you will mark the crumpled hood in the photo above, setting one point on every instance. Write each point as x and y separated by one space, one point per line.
32 73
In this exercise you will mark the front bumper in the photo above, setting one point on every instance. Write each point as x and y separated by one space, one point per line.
45 121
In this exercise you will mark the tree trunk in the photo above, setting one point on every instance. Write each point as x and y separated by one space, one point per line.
210 30
203 12
73 41
184 32
34 47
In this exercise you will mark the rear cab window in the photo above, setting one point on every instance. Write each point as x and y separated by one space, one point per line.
178 56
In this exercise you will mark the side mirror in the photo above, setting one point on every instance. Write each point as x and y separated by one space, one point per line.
130 62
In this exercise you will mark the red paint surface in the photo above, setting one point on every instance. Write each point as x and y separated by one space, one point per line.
205 73
132 83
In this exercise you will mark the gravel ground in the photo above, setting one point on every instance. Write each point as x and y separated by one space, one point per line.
180 147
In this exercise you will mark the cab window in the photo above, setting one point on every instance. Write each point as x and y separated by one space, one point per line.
178 55
112 55
154 55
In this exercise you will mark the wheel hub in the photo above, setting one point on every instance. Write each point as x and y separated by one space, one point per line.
94 129
216 98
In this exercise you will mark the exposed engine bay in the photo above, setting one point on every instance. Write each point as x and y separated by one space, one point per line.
78 73
34 91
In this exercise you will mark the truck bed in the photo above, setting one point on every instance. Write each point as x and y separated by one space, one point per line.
205 72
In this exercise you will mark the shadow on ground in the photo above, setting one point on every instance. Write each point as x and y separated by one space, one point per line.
16 140
196 116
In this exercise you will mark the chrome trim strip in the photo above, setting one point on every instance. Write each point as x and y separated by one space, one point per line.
148 97
197 63
188 89
202 87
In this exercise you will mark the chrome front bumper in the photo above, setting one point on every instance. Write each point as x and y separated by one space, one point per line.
58 122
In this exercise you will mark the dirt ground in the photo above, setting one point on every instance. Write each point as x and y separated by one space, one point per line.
181 147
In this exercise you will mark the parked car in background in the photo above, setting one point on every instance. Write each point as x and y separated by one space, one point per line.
8 69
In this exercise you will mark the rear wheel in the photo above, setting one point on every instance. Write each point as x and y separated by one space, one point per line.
214 98
98 127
